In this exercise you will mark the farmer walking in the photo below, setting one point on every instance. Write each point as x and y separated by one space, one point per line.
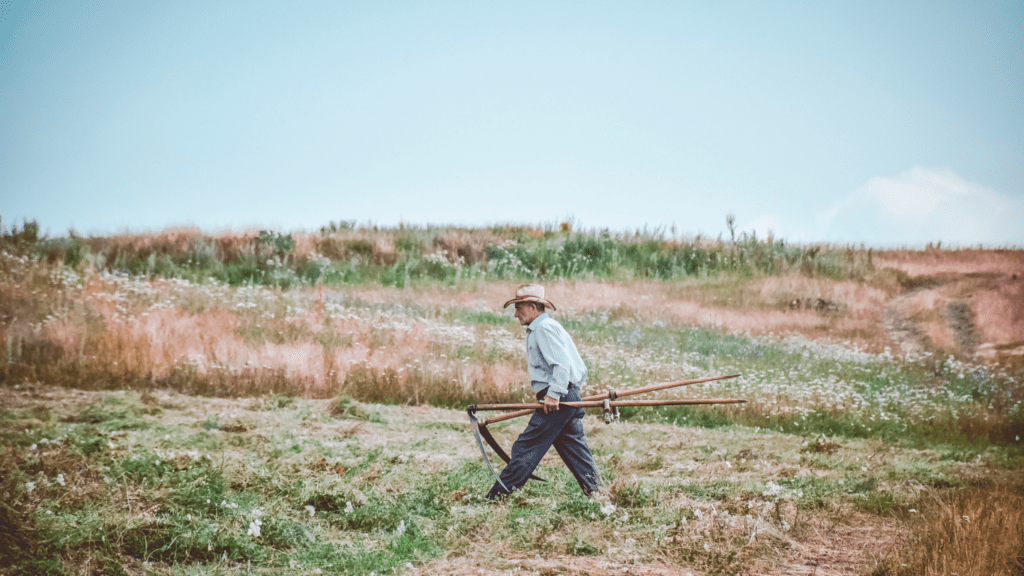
557 374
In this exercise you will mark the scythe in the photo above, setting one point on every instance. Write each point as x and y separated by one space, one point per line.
607 401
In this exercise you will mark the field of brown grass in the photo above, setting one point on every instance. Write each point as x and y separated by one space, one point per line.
884 412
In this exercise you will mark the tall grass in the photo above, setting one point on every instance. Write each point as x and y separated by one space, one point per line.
402 255
975 532
108 331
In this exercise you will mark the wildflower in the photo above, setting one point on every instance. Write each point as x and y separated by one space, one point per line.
60 480
607 509
348 508
400 530
311 510
30 486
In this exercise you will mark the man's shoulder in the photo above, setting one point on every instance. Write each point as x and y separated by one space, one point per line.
549 324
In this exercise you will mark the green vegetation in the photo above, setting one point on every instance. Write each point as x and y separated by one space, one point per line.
260 425
338 493
403 255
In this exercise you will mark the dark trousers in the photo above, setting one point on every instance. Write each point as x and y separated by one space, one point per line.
563 429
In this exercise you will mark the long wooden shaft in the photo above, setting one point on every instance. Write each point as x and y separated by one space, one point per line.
656 387
600 403
621 394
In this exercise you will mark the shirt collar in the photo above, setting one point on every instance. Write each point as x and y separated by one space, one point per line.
543 316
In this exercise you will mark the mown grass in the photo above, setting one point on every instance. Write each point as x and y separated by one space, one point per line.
175 485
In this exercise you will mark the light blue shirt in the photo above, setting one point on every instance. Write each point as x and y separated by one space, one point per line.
552 358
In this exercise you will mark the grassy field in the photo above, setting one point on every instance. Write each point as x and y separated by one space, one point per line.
181 423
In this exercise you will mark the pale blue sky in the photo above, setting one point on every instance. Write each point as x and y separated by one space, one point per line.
876 122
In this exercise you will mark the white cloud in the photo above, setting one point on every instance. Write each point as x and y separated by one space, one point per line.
924 205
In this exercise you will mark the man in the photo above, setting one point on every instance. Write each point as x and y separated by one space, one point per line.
557 374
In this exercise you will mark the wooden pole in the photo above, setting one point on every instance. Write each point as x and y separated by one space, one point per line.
600 403
652 388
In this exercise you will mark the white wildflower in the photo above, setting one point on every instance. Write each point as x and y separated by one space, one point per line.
311 510
60 480
348 508
607 509
254 528
30 486
400 530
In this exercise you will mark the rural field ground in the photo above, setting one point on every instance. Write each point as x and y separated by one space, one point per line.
294 404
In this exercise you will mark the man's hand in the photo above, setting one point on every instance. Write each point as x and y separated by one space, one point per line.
550 404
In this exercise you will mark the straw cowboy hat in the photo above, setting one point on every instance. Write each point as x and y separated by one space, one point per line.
530 293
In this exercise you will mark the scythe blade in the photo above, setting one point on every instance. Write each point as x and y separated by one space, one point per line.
475 425
484 435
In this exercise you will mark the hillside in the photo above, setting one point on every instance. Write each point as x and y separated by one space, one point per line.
151 416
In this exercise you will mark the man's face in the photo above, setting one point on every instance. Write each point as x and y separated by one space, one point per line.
526 313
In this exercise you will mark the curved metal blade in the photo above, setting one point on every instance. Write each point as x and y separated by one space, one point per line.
479 442
486 434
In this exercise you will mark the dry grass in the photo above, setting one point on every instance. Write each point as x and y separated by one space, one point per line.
666 478
935 262
448 346
975 532
756 307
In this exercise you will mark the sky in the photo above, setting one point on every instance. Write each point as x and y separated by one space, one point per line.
883 123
